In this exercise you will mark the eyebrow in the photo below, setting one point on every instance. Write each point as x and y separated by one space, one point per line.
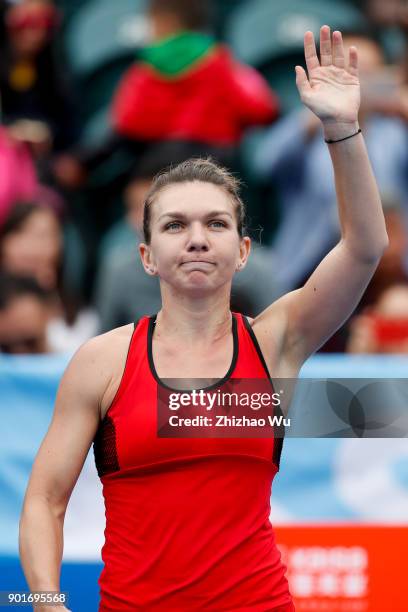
183 217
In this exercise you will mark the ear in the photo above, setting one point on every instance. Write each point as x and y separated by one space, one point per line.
244 251
147 259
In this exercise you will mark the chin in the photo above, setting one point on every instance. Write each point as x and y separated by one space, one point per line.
196 283
203 289
197 288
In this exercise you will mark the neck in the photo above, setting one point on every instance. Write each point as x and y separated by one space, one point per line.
163 27
196 321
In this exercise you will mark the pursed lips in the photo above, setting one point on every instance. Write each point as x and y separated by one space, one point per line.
197 262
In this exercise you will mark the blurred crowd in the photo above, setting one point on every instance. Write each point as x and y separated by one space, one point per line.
98 96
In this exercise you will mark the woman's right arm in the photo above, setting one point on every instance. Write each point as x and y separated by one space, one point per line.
57 466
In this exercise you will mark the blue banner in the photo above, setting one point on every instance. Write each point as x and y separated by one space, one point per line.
320 480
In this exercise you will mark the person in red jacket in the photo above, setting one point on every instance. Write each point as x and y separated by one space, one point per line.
188 87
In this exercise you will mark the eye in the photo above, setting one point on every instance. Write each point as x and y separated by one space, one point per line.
173 226
217 223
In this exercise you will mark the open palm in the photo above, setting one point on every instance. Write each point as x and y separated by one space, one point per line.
331 89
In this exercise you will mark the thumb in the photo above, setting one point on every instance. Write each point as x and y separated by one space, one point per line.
302 82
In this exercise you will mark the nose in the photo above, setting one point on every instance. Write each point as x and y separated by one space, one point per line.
197 238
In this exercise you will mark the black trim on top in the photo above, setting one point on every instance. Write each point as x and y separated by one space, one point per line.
256 344
277 441
152 321
277 450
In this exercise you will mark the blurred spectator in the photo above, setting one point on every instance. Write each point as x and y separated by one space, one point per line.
185 87
34 95
31 244
390 271
390 13
124 292
389 20
188 87
383 328
18 180
293 155
25 309
387 90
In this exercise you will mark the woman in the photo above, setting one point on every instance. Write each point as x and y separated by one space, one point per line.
36 101
31 244
188 520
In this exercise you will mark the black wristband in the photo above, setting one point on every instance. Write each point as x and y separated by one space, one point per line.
340 139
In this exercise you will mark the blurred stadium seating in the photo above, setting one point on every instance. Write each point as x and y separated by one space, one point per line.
101 39
269 36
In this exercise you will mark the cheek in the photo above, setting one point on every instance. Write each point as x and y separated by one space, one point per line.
230 247
164 250
14 249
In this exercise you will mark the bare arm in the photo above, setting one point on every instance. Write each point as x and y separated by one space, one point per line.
314 312
57 467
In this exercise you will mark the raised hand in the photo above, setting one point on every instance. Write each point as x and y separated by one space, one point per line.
331 89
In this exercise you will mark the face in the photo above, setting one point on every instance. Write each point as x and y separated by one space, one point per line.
35 248
30 26
163 25
386 12
393 303
195 246
23 325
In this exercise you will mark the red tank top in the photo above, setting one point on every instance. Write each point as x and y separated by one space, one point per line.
187 519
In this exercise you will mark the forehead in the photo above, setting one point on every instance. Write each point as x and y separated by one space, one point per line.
192 199
42 218
394 302
25 314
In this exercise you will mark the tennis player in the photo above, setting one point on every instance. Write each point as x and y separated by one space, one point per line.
188 519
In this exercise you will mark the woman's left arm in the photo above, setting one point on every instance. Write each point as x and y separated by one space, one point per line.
313 313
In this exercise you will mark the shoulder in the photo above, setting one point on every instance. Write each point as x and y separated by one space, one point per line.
220 60
99 348
135 71
98 364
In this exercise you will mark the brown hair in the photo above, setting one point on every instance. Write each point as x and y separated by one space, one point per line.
193 14
195 169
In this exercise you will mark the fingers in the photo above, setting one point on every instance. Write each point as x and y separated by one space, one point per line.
311 58
331 51
325 46
302 82
353 61
338 50
312 61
